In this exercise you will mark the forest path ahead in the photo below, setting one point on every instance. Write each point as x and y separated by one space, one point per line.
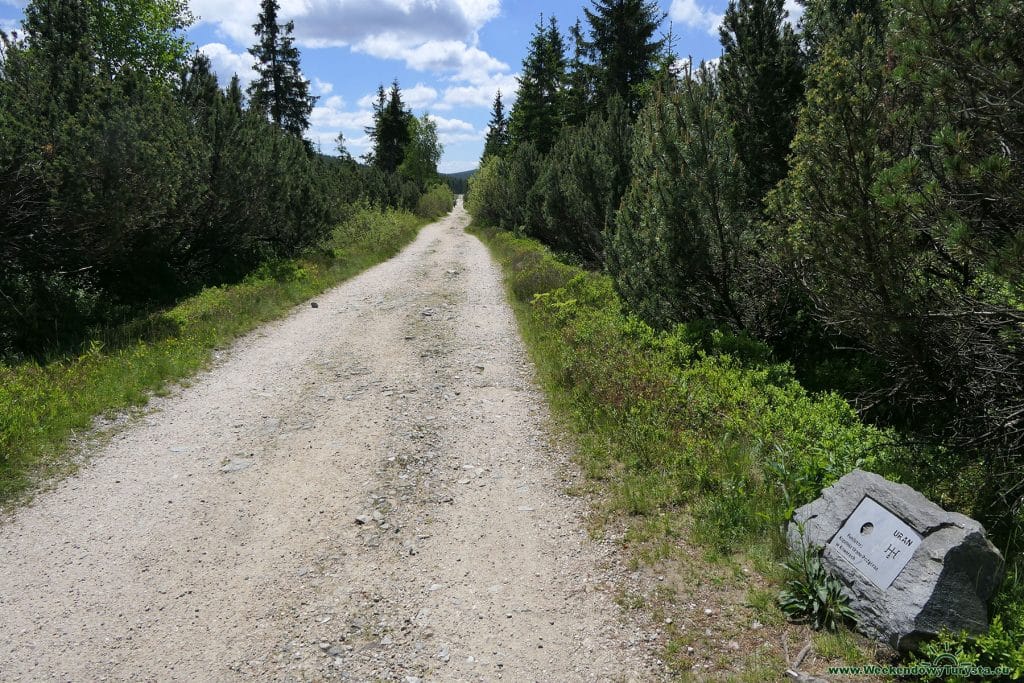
365 490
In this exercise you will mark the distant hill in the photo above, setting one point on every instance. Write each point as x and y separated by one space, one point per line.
459 182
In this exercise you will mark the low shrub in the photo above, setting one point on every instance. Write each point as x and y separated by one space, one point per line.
435 202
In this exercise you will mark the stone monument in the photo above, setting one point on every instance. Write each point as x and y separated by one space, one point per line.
908 567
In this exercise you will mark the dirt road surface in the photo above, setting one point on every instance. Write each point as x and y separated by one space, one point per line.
363 491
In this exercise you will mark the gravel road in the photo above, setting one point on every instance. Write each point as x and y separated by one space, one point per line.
365 490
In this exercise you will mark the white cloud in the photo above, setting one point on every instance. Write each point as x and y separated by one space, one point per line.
227 63
327 116
419 96
479 12
321 23
322 87
454 138
453 57
451 125
691 14
795 11
435 36
481 95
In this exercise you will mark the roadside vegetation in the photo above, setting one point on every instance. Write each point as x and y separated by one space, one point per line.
149 214
44 404
802 259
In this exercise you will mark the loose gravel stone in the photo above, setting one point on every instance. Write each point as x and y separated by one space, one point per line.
298 569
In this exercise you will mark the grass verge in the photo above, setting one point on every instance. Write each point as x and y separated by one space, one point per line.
44 406
698 447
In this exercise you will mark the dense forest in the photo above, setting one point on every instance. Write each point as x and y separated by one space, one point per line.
845 192
129 177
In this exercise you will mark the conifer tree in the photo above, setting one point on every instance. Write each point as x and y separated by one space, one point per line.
391 129
199 91
824 20
579 93
623 47
681 248
497 130
761 83
537 114
280 91
234 93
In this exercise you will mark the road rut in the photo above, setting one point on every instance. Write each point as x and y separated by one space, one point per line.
365 490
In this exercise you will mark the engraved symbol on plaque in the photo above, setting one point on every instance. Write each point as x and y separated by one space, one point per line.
876 542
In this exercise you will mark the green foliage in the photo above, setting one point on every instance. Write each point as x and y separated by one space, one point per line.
760 76
584 178
879 197
623 48
435 202
812 595
823 20
577 105
688 417
505 191
43 404
391 130
485 188
279 91
497 130
683 246
119 193
421 154
143 36
537 114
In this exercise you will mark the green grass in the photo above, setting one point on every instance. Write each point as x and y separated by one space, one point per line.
688 421
697 433
43 406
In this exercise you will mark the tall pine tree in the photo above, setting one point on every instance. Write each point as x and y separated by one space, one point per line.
623 47
280 91
579 93
497 130
391 129
761 77
537 114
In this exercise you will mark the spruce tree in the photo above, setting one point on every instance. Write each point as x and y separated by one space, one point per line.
497 130
623 47
199 91
761 83
824 20
280 91
579 94
537 114
234 93
391 129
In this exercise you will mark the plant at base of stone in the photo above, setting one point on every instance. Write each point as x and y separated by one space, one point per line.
1001 646
813 595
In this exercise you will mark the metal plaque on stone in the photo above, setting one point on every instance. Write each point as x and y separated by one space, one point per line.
876 542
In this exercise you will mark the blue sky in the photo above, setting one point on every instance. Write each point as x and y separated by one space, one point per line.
449 56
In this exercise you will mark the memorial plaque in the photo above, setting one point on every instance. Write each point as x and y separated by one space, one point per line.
876 542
